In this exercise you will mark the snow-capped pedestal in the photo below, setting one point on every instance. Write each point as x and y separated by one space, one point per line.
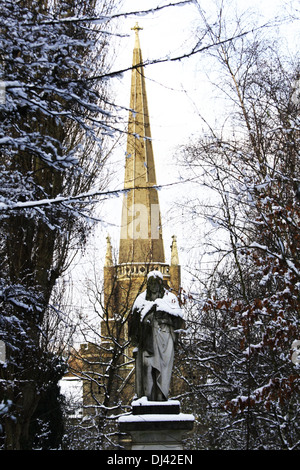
156 425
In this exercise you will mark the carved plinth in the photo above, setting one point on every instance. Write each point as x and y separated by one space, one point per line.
156 425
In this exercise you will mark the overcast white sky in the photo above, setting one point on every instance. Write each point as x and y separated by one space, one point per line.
175 91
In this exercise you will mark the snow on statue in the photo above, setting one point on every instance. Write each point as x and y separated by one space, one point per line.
156 315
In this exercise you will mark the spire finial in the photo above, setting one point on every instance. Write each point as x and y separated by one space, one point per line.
136 28
174 252
108 257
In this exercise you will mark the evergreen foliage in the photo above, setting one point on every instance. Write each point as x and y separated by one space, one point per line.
52 128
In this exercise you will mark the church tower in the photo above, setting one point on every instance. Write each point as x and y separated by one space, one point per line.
108 367
141 247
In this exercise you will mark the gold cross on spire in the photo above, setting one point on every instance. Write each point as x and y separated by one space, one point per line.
136 28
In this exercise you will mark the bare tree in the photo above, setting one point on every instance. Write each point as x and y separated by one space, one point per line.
248 305
48 137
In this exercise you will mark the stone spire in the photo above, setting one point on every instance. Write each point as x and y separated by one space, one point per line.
141 233
108 256
174 252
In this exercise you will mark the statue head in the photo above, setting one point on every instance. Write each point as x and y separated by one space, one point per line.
155 287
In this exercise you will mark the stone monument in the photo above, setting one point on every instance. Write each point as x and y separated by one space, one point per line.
155 322
153 329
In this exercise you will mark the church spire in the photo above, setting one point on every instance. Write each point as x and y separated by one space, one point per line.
108 256
174 252
137 28
141 234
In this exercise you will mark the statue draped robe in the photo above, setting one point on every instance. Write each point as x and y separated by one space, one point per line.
153 331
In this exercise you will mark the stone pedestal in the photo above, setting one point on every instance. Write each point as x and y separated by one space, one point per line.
156 425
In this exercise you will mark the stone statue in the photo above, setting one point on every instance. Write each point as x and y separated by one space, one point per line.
156 315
